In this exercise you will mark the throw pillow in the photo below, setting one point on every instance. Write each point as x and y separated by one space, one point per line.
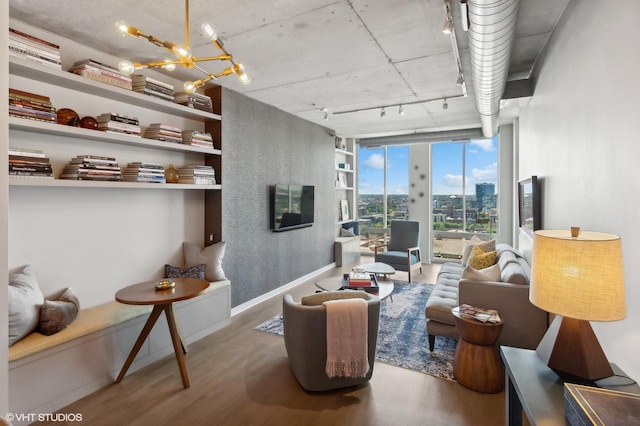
492 273
480 260
56 315
347 232
485 246
210 256
323 296
25 299
193 272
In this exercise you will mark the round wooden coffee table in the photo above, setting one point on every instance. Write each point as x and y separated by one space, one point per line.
385 285
477 364
162 300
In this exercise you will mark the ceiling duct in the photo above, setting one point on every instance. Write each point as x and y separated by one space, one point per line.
410 138
492 25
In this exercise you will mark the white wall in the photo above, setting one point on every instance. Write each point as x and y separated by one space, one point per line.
580 135
420 194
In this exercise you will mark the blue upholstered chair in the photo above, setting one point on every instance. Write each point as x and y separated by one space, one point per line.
403 251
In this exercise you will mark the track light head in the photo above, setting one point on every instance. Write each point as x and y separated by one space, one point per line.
383 112
445 105
400 110
460 80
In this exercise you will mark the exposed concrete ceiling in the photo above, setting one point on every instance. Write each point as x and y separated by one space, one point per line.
338 54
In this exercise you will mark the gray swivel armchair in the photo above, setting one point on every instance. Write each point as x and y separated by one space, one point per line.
305 339
403 251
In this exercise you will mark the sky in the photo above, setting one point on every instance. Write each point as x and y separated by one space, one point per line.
481 164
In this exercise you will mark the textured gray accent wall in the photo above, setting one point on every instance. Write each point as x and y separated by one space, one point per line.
262 146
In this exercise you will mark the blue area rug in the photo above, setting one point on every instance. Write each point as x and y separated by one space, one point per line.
402 335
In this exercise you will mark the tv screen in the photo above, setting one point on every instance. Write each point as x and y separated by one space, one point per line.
529 205
292 206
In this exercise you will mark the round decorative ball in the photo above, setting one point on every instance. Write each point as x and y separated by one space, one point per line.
68 117
89 123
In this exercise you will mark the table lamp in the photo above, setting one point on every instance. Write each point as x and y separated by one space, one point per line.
579 277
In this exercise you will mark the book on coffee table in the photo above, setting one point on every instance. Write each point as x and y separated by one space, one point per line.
370 286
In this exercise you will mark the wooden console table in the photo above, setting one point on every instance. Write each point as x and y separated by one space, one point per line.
537 390
162 300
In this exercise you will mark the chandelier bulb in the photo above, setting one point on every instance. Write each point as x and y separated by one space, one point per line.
210 31
238 69
126 67
189 86
169 66
182 51
122 27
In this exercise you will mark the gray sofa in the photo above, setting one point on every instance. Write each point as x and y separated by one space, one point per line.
524 324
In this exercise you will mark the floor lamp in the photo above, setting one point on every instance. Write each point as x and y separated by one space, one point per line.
579 277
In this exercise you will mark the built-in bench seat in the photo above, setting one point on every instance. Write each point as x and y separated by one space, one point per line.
48 372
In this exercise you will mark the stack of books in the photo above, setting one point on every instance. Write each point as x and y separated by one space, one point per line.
29 163
359 279
194 100
94 70
32 106
164 132
197 174
144 172
92 167
117 123
196 138
152 87
34 49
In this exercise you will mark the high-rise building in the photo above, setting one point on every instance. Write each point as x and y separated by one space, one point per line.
484 191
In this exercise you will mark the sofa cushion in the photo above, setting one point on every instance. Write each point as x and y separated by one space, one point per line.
514 273
485 246
480 259
492 273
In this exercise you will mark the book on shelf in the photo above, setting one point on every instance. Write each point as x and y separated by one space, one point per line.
97 71
34 49
144 80
197 138
197 174
120 118
144 172
26 152
480 314
45 44
28 96
163 132
194 100
29 163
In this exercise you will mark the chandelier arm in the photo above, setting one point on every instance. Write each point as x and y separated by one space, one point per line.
213 58
156 64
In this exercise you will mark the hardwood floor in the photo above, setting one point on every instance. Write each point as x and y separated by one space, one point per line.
241 376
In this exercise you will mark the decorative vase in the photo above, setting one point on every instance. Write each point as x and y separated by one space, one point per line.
171 174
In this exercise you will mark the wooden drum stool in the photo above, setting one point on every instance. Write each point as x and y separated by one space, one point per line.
477 364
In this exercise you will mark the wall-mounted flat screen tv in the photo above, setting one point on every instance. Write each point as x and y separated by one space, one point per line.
292 207
529 205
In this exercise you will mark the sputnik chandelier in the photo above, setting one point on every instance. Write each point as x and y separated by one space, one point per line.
183 55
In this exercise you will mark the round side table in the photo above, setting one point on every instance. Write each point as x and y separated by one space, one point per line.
477 364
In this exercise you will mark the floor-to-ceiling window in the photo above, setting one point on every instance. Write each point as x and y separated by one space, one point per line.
383 192
464 198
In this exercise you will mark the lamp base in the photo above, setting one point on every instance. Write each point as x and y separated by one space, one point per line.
571 349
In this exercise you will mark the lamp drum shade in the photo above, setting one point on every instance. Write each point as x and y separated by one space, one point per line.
578 277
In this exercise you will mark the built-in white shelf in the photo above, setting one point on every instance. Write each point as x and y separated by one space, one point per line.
42 127
64 79
68 183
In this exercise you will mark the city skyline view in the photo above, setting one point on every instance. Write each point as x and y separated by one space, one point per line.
481 167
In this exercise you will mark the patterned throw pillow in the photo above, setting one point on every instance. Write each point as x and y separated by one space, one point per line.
485 246
193 272
57 314
481 260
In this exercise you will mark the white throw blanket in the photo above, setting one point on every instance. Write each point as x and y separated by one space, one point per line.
347 336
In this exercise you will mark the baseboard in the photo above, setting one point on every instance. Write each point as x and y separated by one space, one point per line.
256 301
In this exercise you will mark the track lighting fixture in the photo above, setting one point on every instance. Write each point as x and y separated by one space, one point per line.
323 109
400 110
448 23
183 56
383 112
460 80
445 105
326 115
